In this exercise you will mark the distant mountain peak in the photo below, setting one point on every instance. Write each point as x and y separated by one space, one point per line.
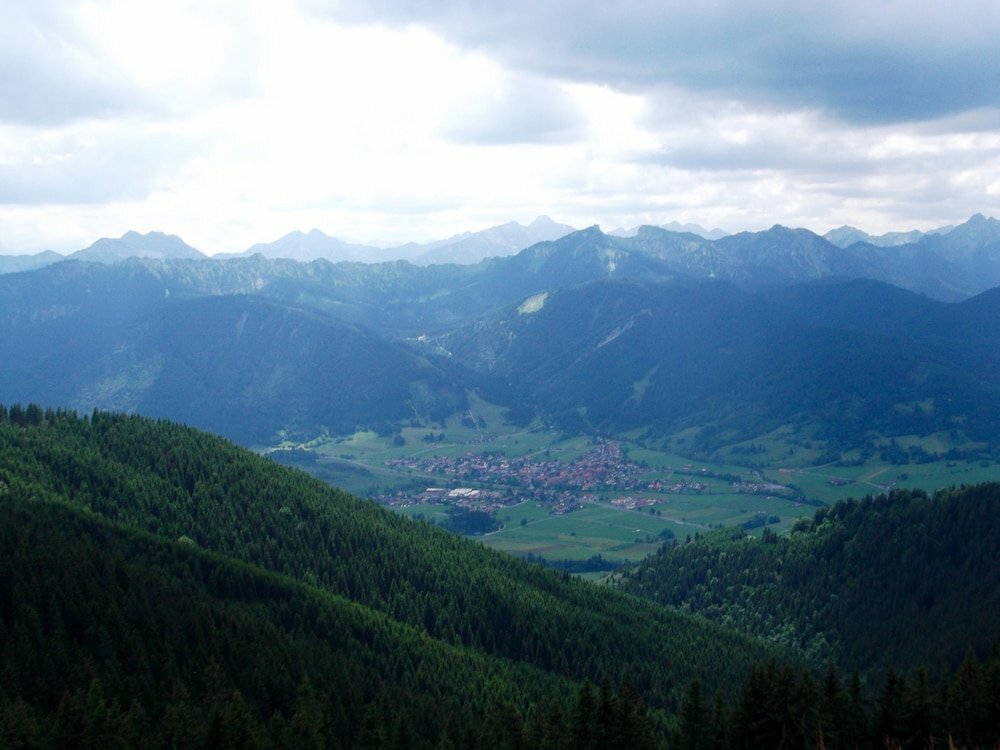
673 226
845 236
977 223
133 244
502 240
543 222
592 233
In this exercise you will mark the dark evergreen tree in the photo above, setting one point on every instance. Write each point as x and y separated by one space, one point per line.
695 730
968 710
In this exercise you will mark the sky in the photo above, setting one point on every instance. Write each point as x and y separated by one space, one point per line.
384 121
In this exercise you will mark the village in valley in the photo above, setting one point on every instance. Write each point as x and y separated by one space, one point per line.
536 491
492 481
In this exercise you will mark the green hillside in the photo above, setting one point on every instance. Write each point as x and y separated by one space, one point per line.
592 333
163 588
733 366
120 639
903 580
147 544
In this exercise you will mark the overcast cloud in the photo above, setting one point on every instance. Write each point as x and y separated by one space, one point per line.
230 123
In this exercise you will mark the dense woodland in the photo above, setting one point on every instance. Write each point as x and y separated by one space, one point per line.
240 538
164 588
904 579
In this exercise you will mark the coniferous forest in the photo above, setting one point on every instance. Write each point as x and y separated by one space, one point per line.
161 587
904 579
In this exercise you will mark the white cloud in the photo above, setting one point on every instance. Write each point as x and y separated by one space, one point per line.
48 74
85 163
517 109
233 122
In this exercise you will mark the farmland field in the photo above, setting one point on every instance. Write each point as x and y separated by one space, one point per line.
668 496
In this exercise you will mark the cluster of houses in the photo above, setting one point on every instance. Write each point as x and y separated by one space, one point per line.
633 503
760 488
563 486
604 466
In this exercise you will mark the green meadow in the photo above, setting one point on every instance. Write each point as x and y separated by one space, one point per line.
357 463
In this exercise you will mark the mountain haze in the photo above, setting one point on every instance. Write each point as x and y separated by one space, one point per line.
465 248
505 239
313 245
660 332
949 265
674 226
135 245
15 263
846 236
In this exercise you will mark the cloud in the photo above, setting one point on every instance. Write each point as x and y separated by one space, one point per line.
239 120
47 76
858 61
62 62
520 110
87 163
807 144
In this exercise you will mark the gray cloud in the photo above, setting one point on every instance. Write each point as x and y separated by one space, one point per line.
47 76
859 61
87 167
843 154
528 110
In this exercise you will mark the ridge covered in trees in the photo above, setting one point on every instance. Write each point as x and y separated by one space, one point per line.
778 708
164 588
166 579
903 579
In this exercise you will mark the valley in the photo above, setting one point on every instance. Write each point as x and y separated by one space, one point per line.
653 413
741 381
500 376
571 498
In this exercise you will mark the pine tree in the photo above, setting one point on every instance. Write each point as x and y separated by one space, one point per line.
889 709
693 732
833 714
583 729
967 710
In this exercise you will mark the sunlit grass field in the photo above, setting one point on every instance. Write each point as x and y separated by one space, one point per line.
358 464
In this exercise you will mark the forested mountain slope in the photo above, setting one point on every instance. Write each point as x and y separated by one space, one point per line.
593 332
903 579
619 355
120 639
119 492
243 366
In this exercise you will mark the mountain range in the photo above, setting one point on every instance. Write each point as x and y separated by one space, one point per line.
866 255
846 236
162 587
661 333
675 226
841 357
465 248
